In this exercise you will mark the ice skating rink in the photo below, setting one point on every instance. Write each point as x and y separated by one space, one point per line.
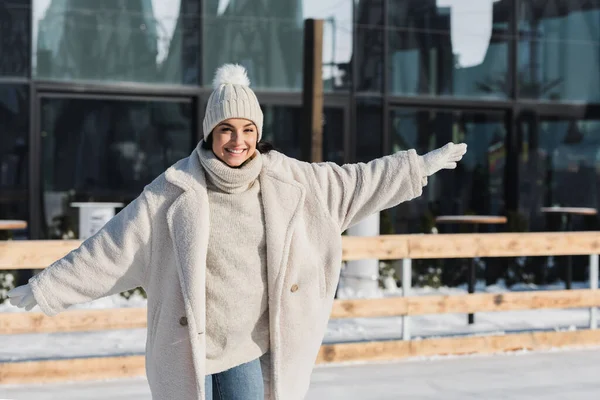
554 375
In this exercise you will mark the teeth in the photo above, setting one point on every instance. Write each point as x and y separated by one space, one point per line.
235 151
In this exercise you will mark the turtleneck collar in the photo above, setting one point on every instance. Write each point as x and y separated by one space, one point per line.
226 178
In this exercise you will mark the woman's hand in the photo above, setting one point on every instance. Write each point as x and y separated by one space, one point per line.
22 297
443 158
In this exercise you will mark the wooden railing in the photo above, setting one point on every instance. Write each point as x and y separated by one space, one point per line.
38 254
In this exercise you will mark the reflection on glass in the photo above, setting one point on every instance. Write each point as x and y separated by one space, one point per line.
333 135
449 47
475 187
151 41
369 45
266 37
559 165
337 39
369 129
282 125
14 151
15 27
559 50
106 150
283 128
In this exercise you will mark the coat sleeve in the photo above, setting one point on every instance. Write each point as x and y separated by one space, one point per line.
355 191
112 261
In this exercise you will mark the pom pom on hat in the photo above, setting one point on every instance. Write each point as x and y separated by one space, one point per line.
232 74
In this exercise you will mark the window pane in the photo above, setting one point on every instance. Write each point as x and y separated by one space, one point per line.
333 135
107 150
150 41
283 128
369 129
14 151
337 40
559 50
559 165
474 187
369 45
449 48
266 36
15 27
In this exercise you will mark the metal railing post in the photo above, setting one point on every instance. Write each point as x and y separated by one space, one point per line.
406 286
594 286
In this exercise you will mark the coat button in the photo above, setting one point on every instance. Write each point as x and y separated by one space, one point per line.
294 288
183 321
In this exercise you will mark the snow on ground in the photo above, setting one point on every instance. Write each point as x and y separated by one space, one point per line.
124 342
554 375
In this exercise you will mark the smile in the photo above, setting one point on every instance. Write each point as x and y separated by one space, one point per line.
234 151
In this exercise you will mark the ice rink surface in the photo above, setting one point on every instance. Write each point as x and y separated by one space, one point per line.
554 375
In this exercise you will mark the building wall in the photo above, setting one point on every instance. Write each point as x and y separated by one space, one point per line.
97 98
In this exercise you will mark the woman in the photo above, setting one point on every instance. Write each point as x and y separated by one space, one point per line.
239 250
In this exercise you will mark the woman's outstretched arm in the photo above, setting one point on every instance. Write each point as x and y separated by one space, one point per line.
355 191
112 261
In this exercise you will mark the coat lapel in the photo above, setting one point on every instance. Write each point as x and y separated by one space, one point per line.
282 202
188 221
191 242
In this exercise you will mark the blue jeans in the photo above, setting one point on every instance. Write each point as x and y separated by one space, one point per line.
244 382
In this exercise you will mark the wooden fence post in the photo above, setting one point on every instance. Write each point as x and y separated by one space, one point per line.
311 137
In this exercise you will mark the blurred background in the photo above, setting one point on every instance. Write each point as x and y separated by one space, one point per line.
97 98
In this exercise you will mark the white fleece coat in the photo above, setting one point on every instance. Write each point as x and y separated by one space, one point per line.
159 242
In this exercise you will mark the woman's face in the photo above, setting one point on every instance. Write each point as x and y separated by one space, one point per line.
234 141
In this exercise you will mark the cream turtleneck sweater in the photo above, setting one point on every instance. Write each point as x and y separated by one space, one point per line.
237 317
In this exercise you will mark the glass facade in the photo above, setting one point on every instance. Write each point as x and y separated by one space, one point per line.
145 41
333 135
518 80
15 27
106 150
449 48
283 124
266 36
559 50
370 45
475 186
14 151
368 138
560 166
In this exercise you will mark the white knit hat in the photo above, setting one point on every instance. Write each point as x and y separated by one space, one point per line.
232 98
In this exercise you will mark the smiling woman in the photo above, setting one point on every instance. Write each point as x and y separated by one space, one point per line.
239 252
234 141
234 119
